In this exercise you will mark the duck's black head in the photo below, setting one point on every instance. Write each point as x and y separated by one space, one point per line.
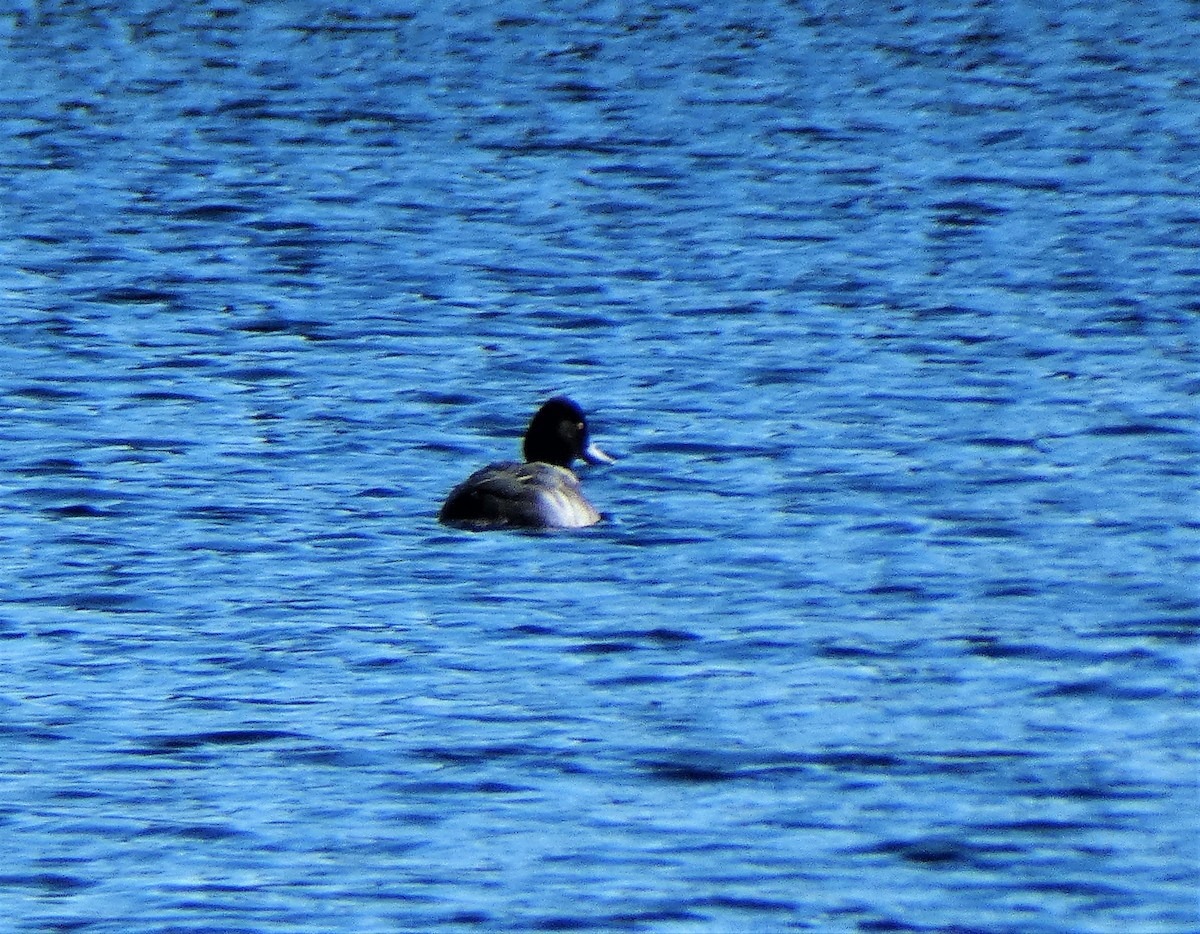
558 434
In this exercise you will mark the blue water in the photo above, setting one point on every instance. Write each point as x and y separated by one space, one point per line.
890 312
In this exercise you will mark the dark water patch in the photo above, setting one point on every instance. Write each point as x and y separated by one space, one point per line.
1134 430
176 743
712 766
572 322
78 511
227 515
1039 827
876 483
46 394
576 92
378 492
563 923
466 919
963 763
81 536
658 636
1183 630
890 526
578 145
1002 137
722 310
202 833
185 362
964 213
77 794
133 295
906 591
443 397
784 376
381 663
51 467
145 445
214 212
1074 655
49 883
344 23
841 649
439 789
993 441
326 757
945 310
533 629
39 494
342 541
943 851
254 375
652 916
879 925
637 274
1105 688
309 330
157 395
604 648
813 133
107 601
1025 182
688 772
271 225
1084 888
967 529
633 681
475 755
1012 589
854 176
59 632
745 903
359 119
667 636
33 733
1089 791
860 761
205 702
253 107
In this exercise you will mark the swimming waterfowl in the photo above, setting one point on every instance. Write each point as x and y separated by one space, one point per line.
543 492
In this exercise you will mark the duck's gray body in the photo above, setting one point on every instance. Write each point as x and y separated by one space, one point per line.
540 496
543 492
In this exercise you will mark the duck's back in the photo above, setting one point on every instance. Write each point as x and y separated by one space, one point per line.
535 495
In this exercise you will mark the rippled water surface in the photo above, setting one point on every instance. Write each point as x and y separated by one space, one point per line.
891 316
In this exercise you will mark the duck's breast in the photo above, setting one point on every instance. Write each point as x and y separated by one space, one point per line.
561 502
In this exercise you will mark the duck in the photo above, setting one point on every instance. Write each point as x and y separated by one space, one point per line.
541 493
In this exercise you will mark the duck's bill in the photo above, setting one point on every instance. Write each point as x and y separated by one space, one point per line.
593 455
